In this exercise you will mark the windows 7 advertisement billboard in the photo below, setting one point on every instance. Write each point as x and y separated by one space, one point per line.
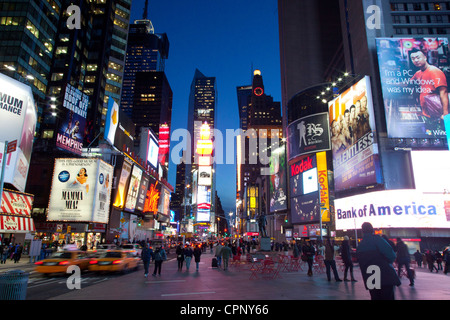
414 77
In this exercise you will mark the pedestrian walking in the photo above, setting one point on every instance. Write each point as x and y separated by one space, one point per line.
308 252
218 254
375 251
226 254
446 260
2 247
347 259
418 257
180 256
403 259
429 256
197 254
330 263
18 253
188 253
6 253
159 257
146 256
438 257
296 251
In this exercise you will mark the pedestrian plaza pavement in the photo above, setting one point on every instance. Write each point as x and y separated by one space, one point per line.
239 283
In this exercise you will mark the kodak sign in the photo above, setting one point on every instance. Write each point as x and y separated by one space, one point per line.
301 166
322 173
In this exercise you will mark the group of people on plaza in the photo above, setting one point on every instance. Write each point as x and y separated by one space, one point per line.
10 251
430 257
186 253
379 251
158 256
309 252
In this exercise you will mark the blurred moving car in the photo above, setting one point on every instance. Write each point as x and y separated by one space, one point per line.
114 261
107 246
155 243
102 248
60 261
134 248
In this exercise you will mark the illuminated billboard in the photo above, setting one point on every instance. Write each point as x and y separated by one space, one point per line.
152 197
203 204
119 128
308 134
204 175
304 190
393 209
70 134
152 150
164 143
277 184
133 188
142 191
353 139
121 188
431 170
81 190
17 125
414 76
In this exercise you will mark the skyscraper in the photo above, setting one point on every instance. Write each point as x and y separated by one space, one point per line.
152 105
146 52
378 40
146 94
260 117
87 62
201 125
310 45
243 95
27 44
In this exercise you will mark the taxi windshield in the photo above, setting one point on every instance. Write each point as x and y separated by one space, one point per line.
62 255
112 255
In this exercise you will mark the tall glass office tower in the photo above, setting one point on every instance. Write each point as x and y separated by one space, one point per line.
146 52
29 29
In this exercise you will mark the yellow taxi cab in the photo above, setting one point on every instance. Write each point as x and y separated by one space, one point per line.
114 261
60 261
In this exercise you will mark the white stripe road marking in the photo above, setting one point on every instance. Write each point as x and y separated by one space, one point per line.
185 294
42 283
164 281
101 280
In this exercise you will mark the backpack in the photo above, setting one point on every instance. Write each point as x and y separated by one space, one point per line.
158 255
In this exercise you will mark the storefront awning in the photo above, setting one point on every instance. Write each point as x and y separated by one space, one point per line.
12 224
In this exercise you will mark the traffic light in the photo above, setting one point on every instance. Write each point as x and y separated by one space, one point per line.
286 219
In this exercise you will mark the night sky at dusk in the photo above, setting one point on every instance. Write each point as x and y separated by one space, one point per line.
223 39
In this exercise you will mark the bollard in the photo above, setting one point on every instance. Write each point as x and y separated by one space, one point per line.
13 285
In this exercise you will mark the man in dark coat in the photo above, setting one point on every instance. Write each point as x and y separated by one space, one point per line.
375 257
403 259
146 256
